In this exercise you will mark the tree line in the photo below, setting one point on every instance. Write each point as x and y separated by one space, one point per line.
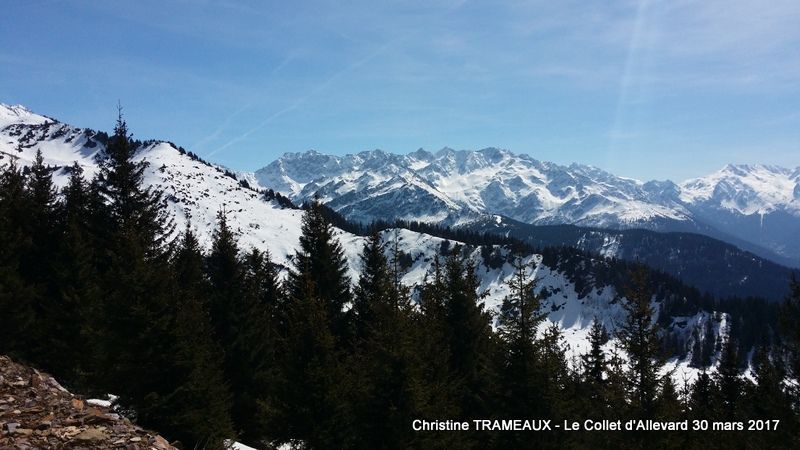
210 345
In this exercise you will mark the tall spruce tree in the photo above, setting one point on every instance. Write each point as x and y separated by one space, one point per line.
17 296
469 337
518 324
790 330
767 399
240 316
75 315
321 257
197 411
380 361
134 337
308 404
729 382
638 336
433 390
37 265
594 361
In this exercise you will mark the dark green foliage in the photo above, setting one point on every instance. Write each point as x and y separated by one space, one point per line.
468 337
380 365
790 326
595 364
198 409
306 395
244 296
74 313
17 296
638 337
518 324
728 381
321 259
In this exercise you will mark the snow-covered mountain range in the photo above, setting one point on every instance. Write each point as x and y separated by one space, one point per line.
196 190
754 207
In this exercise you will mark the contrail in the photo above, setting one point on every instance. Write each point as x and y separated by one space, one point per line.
322 86
247 106
298 102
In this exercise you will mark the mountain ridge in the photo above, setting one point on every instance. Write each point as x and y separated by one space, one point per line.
464 185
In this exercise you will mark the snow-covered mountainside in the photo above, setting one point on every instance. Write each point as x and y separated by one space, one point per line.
705 263
196 190
756 205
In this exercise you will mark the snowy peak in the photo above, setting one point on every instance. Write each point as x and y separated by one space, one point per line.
746 189
18 114
457 186
490 180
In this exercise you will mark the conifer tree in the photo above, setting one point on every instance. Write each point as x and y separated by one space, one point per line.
381 359
240 316
134 337
75 312
43 220
198 409
790 330
469 336
702 398
37 265
518 323
669 406
638 337
321 257
554 369
308 404
594 362
768 399
729 382
434 394
17 297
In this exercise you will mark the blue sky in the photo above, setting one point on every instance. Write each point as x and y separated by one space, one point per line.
645 88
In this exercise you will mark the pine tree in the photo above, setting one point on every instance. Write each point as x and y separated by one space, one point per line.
433 392
198 409
518 323
75 313
17 297
729 381
308 405
767 399
321 257
638 337
702 398
381 359
554 369
703 404
374 293
790 330
595 369
669 407
469 336
134 336
240 316
594 362
37 264
132 207
258 343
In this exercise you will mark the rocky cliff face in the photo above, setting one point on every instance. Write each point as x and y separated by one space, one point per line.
36 412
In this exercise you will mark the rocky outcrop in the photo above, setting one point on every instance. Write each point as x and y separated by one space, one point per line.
36 412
